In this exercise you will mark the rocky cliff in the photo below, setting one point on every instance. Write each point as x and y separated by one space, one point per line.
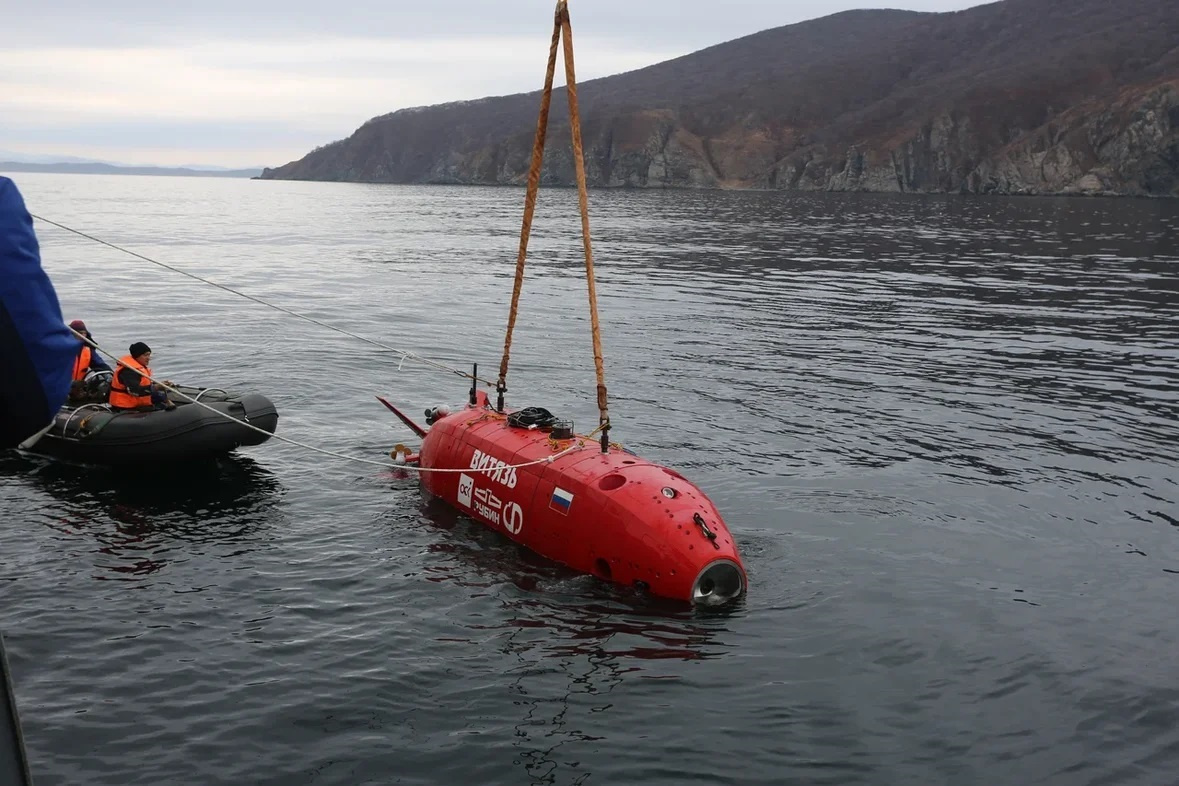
1015 97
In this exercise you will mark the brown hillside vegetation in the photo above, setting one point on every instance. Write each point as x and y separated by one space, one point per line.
1020 96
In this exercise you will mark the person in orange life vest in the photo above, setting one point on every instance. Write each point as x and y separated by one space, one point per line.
88 358
132 388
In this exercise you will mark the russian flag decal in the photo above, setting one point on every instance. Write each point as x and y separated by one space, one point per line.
561 500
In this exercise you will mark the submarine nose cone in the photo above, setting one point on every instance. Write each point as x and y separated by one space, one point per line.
720 582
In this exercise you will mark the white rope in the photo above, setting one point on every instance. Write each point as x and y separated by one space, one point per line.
405 354
386 464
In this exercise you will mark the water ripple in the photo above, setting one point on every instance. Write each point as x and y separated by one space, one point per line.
941 429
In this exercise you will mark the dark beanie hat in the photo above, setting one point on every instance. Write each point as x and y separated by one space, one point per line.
139 348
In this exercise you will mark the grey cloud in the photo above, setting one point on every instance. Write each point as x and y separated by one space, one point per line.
684 25
622 31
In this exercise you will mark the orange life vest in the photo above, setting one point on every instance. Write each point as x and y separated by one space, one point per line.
82 363
120 397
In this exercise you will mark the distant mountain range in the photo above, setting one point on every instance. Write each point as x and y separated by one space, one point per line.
1013 97
83 167
34 158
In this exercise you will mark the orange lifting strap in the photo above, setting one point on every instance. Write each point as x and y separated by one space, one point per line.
562 31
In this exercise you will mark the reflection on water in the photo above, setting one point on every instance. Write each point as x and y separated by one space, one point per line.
569 657
546 725
220 485
137 515
567 641
471 554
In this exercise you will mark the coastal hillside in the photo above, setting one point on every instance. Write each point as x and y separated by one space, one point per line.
1014 97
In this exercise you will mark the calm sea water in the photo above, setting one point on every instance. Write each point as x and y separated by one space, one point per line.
942 429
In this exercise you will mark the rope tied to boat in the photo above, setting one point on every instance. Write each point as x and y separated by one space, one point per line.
562 33
405 354
322 451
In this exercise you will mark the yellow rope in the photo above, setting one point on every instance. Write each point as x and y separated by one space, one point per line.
562 31
542 124
271 435
583 203
405 354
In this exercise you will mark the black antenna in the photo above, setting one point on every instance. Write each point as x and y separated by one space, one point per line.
474 381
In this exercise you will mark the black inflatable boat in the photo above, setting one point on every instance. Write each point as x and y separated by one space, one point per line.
91 433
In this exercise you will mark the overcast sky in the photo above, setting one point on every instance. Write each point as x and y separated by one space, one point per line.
261 82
